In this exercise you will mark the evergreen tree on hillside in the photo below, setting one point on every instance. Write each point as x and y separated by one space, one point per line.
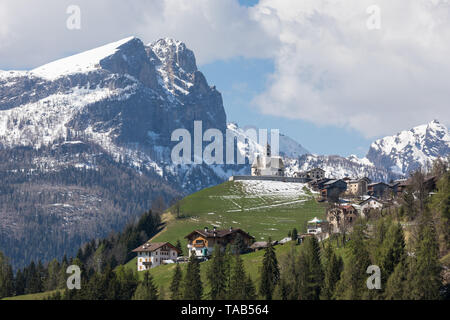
33 279
250 290
6 277
314 270
333 267
425 280
393 252
290 277
216 275
192 284
52 281
352 285
396 284
228 263
238 283
20 283
179 247
128 282
294 234
440 203
175 286
146 290
270 273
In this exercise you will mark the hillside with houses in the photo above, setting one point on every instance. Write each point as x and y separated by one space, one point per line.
265 219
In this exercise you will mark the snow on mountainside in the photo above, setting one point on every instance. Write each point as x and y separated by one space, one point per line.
80 63
297 159
409 150
338 167
124 96
99 122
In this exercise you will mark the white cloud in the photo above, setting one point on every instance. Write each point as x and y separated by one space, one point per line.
36 32
331 69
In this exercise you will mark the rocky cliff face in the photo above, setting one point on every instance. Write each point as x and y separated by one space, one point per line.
126 97
96 127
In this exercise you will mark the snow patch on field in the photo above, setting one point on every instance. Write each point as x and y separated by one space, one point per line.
274 188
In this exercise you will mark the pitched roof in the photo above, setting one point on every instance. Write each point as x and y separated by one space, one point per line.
218 233
377 183
153 246
369 199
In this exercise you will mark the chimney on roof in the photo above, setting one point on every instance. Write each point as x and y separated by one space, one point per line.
206 229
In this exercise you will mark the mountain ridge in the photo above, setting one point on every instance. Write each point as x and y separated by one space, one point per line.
112 111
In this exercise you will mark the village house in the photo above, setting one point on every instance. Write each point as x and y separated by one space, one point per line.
151 255
378 189
318 185
202 242
261 245
341 218
268 165
357 187
401 185
333 189
314 174
369 204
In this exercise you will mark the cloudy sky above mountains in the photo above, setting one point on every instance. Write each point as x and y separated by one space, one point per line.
312 68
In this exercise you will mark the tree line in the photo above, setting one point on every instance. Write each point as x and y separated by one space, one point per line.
97 257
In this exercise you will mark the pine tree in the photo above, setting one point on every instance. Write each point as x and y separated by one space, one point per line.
333 268
270 273
128 282
6 277
20 283
192 284
314 271
238 286
52 280
175 286
352 285
294 234
216 275
179 247
424 281
250 290
146 290
392 253
228 263
396 284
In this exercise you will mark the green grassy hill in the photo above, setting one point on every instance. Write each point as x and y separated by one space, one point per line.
34 296
162 275
262 208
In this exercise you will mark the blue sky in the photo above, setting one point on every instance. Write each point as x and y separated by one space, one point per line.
240 80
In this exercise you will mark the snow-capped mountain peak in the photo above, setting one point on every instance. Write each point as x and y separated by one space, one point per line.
80 63
409 150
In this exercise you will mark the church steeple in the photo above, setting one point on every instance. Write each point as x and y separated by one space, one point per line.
268 151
